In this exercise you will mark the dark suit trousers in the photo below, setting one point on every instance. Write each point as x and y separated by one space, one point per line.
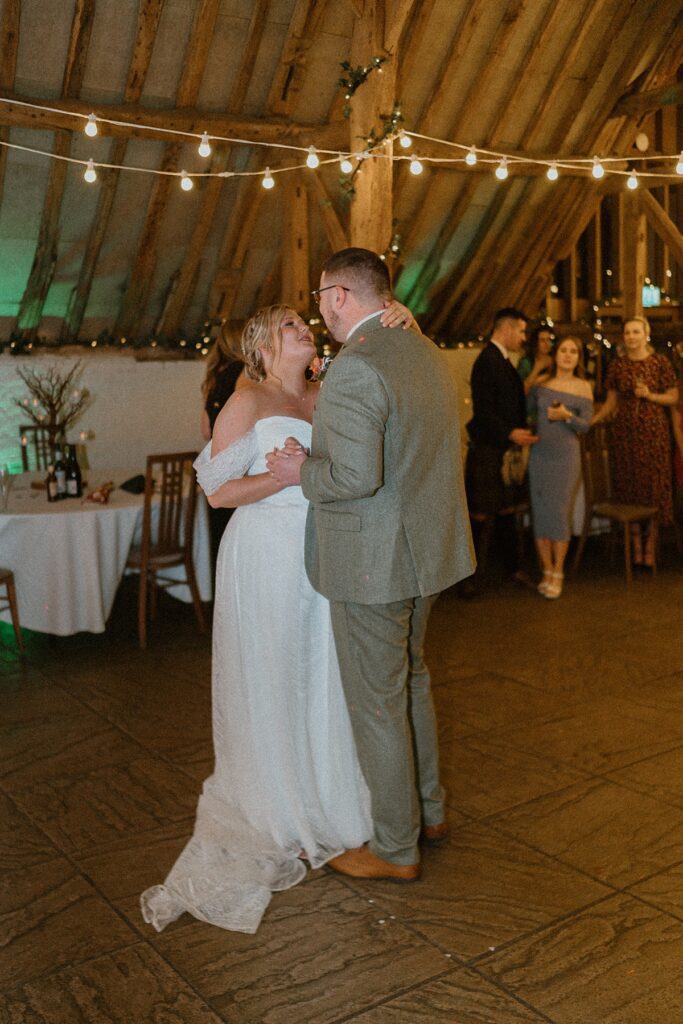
388 692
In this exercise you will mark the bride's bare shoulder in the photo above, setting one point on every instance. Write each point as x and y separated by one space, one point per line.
236 418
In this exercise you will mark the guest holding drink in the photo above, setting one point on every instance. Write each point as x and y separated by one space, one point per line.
562 404
641 389
537 362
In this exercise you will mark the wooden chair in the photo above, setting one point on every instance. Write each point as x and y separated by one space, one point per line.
167 533
10 601
36 440
599 502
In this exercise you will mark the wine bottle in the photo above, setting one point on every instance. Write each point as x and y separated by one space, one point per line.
60 473
74 487
51 484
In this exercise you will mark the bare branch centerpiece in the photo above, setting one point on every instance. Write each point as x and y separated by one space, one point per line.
55 400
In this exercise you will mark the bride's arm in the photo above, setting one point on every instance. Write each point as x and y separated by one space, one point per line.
232 437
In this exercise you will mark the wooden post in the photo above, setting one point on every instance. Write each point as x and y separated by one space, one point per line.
295 279
372 206
634 255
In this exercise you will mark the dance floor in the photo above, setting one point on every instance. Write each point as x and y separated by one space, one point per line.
558 898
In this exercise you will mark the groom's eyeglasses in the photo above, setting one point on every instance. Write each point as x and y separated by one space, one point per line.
316 291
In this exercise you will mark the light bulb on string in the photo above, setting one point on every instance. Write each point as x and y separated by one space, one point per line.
312 160
502 169
204 145
91 126
552 174
90 172
632 180
598 171
268 179
471 157
345 164
405 141
679 165
415 166
186 182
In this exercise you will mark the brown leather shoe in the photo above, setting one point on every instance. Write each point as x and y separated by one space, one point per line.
434 835
363 863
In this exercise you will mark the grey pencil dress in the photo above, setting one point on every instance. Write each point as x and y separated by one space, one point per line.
555 461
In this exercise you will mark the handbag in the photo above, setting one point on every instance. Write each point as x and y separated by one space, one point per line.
514 466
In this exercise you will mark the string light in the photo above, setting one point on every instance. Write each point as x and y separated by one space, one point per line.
90 172
345 164
312 160
679 165
205 146
186 182
471 157
632 180
552 174
404 140
268 179
91 126
415 166
598 171
502 169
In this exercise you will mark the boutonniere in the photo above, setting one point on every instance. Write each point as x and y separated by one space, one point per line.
319 368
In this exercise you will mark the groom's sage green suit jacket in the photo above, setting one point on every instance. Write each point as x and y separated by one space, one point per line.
388 517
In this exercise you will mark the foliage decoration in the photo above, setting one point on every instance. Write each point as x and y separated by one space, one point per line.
355 77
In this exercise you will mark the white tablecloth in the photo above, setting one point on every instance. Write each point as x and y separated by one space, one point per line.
68 557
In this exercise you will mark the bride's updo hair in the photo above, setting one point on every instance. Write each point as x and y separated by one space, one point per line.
262 330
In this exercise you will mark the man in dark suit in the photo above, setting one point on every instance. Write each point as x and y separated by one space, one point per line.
498 421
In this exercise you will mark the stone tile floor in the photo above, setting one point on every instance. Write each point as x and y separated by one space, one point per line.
558 898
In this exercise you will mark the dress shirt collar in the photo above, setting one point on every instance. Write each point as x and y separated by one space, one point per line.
501 348
369 316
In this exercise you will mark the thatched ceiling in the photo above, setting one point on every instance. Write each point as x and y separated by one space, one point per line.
133 254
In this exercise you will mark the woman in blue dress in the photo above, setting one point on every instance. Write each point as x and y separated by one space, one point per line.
562 404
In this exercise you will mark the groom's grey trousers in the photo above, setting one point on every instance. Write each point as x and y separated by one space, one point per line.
386 682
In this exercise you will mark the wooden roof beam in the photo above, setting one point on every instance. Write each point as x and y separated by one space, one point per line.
188 119
545 31
188 272
662 225
304 26
140 282
645 102
9 48
535 244
45 259
336 234
149 14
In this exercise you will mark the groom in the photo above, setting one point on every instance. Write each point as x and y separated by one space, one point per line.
387 530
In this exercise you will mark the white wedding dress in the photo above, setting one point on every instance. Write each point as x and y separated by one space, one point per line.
286 776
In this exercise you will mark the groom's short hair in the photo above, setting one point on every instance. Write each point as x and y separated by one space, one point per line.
362 269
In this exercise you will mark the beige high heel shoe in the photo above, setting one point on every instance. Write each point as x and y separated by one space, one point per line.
545 582
554 589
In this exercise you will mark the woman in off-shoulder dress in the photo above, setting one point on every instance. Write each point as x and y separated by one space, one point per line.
562 405
286 784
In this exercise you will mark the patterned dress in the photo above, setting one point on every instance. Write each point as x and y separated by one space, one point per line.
640 448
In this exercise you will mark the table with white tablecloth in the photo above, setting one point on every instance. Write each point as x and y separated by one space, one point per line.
68 557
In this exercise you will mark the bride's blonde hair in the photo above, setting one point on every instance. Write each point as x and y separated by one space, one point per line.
262 331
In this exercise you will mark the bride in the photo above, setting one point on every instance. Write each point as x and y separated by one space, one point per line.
286 783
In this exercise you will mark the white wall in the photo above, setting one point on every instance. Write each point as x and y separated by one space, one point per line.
137 408
142 408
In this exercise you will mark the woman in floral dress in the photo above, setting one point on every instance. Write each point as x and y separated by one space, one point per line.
641 386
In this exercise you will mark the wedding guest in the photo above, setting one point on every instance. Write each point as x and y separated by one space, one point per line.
537 361
562 403
224 374
641 387
499 420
